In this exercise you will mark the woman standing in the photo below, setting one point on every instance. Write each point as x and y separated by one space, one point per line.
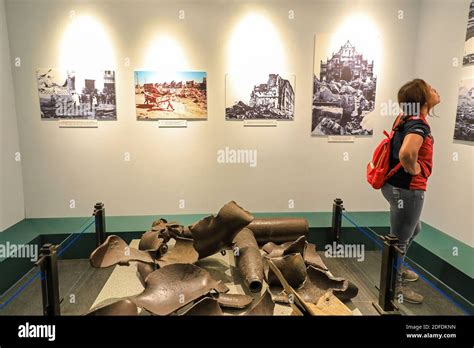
412 146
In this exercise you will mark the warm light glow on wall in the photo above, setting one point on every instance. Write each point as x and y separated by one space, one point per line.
86 46
362 33
254 50
255 46
165 54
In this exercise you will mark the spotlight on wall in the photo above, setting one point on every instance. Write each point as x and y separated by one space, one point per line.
165 54
361 31
85 45
255 46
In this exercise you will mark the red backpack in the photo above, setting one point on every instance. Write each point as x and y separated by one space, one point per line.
378 169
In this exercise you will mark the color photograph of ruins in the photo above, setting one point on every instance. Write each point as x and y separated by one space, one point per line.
344 89
175 95
270 97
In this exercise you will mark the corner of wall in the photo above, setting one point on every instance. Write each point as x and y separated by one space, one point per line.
12 205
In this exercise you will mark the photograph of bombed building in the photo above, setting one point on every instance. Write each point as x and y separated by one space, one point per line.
468 57
175 95
343 91
464 127
271 100
72 94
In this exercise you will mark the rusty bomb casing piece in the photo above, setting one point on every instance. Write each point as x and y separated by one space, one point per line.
320 282
213 234
119 307
233 300
278 230
114 251
174 286
206 306
264 306
312 258
143 270
168 230
275 250
248 259
181 252
292 268
151 242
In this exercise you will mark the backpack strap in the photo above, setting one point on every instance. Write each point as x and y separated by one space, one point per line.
399 164
394 170
395 123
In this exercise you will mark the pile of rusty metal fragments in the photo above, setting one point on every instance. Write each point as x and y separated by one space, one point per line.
286 270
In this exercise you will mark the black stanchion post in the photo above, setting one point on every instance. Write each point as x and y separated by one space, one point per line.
49 280
386 305
99 213
337 209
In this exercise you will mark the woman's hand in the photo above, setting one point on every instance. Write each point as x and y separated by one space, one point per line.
414 171
409 153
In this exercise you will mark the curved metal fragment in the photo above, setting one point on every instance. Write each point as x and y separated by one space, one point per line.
275 250
221 288
182 252
206 306
264 306
281 297
120 307
174 286
328 304
278 230
233 300
213 234
151 242
248 259
312 258
319 282
168 230
114 251
143 270
292 268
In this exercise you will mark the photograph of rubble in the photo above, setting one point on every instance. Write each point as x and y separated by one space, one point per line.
171 95
464 127
344 86
69 94
468 58
264 97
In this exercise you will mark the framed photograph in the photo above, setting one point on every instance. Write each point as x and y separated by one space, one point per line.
468 57
464 127
344 87
263 97
69 94
175 95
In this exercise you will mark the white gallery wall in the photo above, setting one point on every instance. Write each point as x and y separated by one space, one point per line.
12 207
171 165
449 201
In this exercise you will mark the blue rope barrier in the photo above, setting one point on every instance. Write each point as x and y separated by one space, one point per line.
59 253
380 244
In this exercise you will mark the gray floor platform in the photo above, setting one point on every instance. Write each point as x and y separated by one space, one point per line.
81 286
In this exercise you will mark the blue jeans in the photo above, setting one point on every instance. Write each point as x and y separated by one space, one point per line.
405 212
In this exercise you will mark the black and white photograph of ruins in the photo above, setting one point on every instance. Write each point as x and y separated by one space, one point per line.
468 57
344 89
270 98
464 126
69 94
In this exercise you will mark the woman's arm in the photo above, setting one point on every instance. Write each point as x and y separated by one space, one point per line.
409 153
